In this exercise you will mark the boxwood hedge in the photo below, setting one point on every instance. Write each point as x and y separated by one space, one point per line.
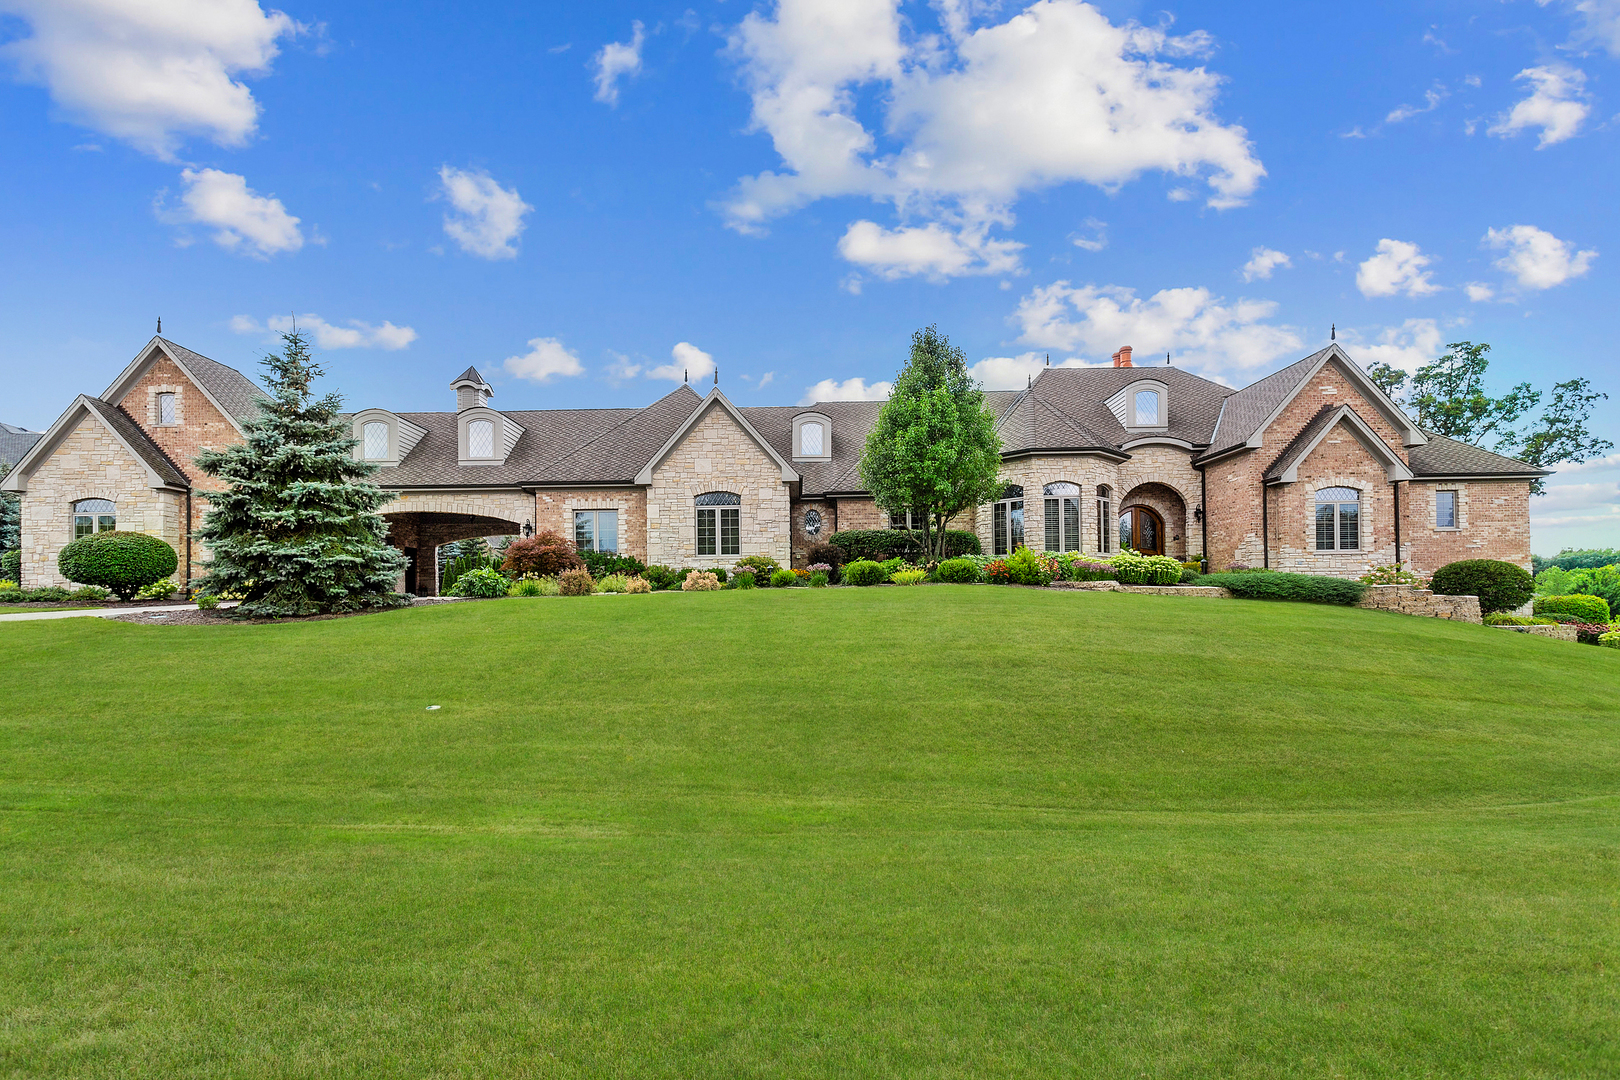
881 544
1588 609
1274 585
124 562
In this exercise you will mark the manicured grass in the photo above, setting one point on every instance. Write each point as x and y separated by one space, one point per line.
17 609
941 832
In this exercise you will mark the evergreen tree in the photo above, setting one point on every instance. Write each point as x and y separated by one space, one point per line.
10 515
296 530
934 450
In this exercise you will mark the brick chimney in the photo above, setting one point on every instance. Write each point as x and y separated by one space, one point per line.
1123 357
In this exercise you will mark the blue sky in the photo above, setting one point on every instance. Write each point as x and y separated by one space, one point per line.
585 199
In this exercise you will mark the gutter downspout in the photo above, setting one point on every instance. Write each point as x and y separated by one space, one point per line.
187 586
1265 526
1203 505
1395 486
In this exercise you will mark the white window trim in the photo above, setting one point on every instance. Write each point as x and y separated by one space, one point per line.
402 436
1361 520
826 436
1079 498
1123 405
596 522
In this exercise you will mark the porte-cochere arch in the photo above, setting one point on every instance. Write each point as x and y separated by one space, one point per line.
419 525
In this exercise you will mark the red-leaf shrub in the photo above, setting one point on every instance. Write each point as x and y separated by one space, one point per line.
545 554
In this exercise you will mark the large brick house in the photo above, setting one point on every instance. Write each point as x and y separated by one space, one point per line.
1311 469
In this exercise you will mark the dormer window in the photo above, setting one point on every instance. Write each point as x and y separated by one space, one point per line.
376 440
1147 408
1142 404
480 439
810 439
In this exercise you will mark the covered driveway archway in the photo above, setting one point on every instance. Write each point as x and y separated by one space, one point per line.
420 535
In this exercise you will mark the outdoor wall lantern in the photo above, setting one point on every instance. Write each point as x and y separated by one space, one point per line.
1198 513
528 528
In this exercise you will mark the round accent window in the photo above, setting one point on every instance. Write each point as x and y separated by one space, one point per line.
812 523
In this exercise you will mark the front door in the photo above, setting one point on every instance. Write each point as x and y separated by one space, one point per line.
1140 529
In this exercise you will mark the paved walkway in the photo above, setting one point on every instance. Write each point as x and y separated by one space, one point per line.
96 613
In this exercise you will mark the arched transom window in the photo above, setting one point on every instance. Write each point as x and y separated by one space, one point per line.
1062 517
93 516
1008 520
1338 519
719 523
376 441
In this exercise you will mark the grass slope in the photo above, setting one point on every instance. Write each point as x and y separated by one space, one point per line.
932 832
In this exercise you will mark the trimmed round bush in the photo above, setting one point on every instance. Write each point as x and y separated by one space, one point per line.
958 572
864 572
783 579
1587 609
1611 640
124 562
575 582
1500 586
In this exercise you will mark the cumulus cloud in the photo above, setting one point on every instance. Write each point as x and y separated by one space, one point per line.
1600 24
1204 332
354 334
690 363
1016 372
547 359
150 73
1262 261
1056 94
848 390
1397 267
243 220
1536 258
1409 346
1479 292
1557 105
931 251
485 219
1095 242
615 61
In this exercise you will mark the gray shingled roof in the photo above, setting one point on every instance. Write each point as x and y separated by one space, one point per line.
128 430
1296 446
470 375
15 442
235 392
1444 456
1248 408
1068 408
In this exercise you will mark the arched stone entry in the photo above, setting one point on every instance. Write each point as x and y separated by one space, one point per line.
420 535
1168 506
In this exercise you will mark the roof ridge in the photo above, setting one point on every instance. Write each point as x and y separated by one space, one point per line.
1041 399
611 428
148 442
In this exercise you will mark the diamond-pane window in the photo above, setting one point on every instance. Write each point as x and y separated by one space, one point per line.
810 439
481 439
1147 408
166 408
376 441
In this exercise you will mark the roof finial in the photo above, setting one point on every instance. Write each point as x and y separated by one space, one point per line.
685 378
1167 358
1029 380
160 324
1333 332
717 376
1048 359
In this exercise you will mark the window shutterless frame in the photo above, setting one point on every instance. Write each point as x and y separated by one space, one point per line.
1062 516
719 523
93 516
1007 521
1338 519
1104 532
1445 509
165 403
596 530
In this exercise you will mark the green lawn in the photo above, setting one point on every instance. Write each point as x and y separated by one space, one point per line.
18 609
938 832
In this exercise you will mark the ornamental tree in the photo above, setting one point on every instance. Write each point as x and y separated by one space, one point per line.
10 515
296 530
934 450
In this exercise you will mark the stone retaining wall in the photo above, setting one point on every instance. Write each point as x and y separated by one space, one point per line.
1557 633
1209 592
1411 600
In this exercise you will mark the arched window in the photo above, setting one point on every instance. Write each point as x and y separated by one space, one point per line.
1008 520
480 438
719 523
376 441
1062 516
812 523
93 516
810 433
1147 408
1338 519
1104 533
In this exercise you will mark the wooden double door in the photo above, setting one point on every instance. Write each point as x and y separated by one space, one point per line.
1141 529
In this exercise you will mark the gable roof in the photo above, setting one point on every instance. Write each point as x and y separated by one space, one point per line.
1444 458
16 442
235 395
715 400
1285 470
161 471
1080 396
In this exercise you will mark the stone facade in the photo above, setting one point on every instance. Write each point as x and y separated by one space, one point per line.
91 464
717 455
554 509
1410 600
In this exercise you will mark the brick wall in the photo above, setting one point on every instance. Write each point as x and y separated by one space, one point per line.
717 455
91 464
1493 519
554 509
828 509
1340 460
1172 509
861 513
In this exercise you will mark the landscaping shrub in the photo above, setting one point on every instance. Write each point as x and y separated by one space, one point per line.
1601 581
11 565
1500 618
121 561
782 579
1272 585
880 544
1500 586
1027 567
864 572
1196 566
995 572
1134 569
1079 568
528 585
719 573
958 571
662 577
1611 640
612 583
207 601
484 582
158 590
637 586
461 564
818 579
1188 577
1589 633
603 564
823 553
1588 609
575 582
743 579
93 594
763 567
545 554
1392 575
896 563
908 577
700 581
45 594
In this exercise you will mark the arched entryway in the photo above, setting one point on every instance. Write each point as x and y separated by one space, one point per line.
420 535
1153 520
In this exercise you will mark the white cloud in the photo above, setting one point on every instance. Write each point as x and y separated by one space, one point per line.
1203 331
1595 464
691 364
766 380
618 60
1479 292
354 335
1409 346
1054 95
1016 372
1536 258
848 390
1557 105
1575 497
243 220
1095 242
1600 23
147 72
1431 101
546 359
930 250
485 219
1262 261
1398 267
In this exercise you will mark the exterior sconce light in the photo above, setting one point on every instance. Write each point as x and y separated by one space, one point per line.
528 528
1198 514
